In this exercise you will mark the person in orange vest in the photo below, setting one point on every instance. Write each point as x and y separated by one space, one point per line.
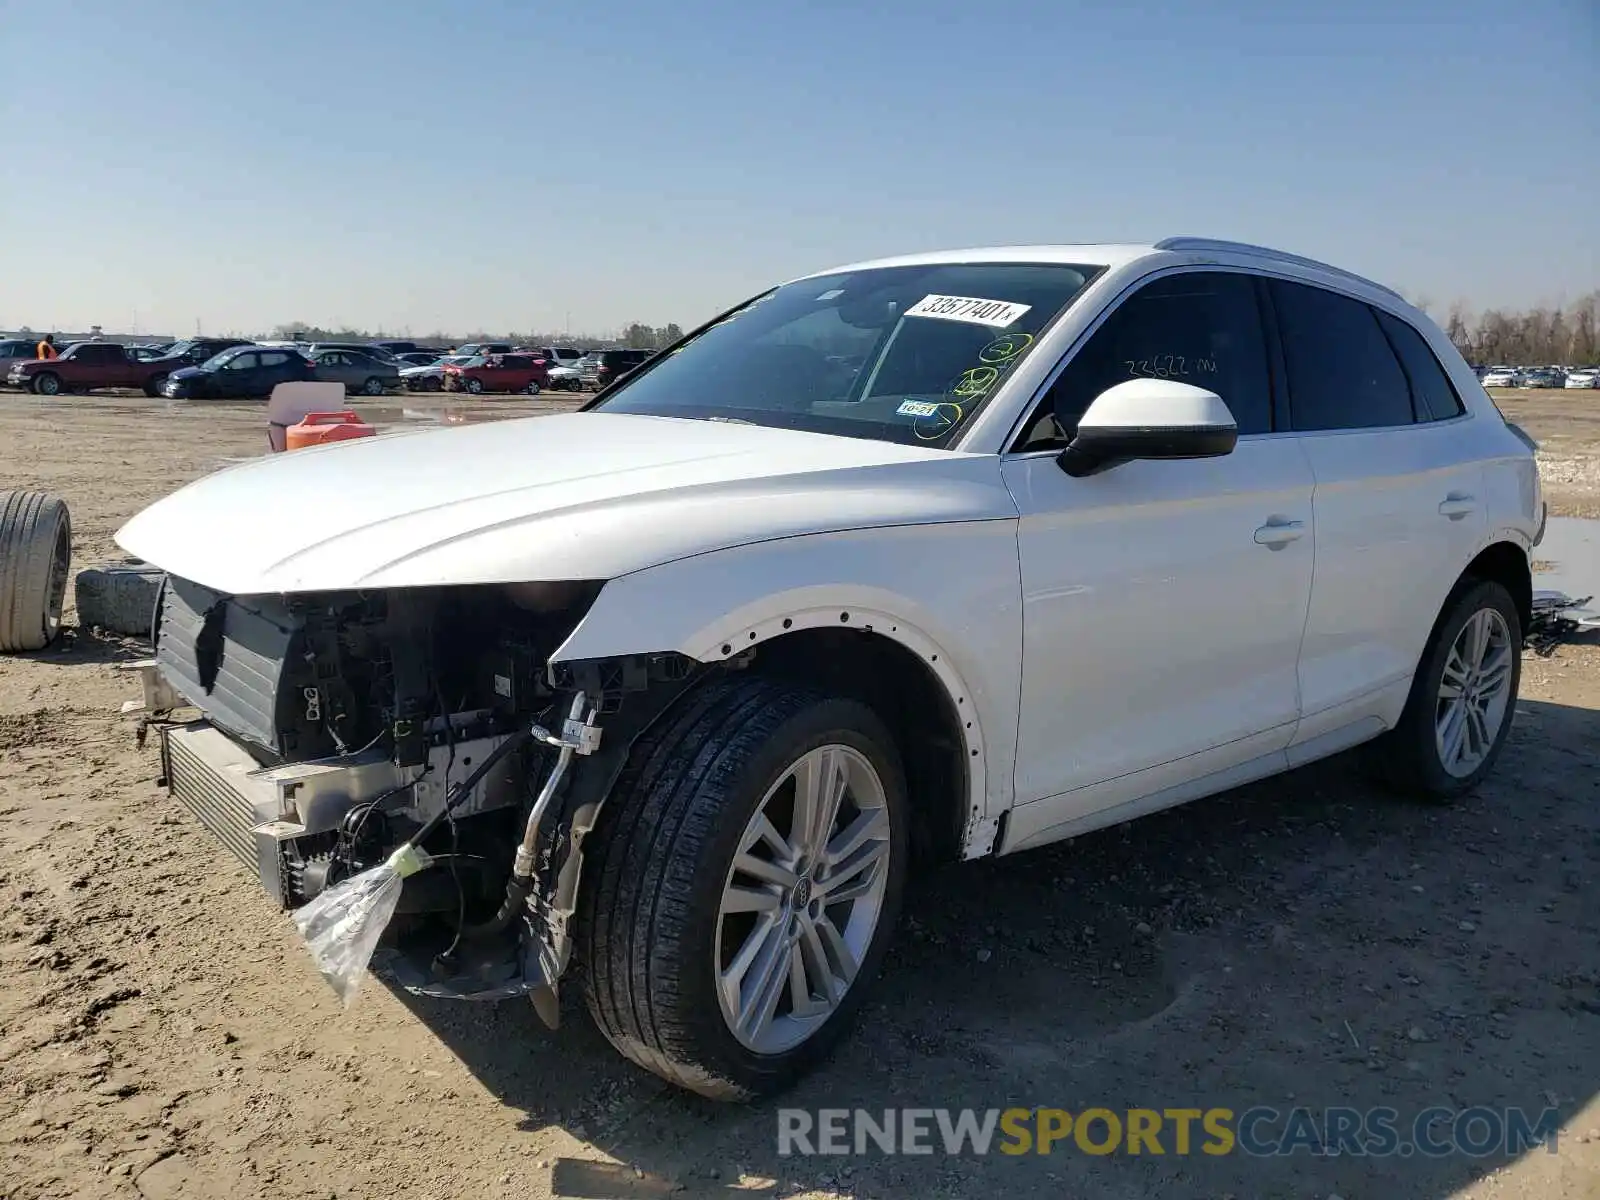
46 347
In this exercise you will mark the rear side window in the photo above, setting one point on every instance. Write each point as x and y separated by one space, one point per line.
1435 398
1342 373
273 358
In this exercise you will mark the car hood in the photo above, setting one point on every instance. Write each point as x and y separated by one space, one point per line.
571 496
186 373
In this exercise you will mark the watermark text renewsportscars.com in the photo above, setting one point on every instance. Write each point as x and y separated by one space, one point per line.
1259 1131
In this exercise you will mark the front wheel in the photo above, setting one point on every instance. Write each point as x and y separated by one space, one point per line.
152 386
1462 699
475 386
372 387
47 383
747 876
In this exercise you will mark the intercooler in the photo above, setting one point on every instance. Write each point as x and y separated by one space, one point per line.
268 817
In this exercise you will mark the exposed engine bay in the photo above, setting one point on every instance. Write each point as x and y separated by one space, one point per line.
336 726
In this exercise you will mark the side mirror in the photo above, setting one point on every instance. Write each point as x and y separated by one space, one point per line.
1149 418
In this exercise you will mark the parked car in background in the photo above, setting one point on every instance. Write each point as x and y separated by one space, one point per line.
1543 377
242 373
84 367
473 349
498 373
357 370
604 367
1584 377
430 376
417 358
565 379
188 353
395 348
13 349
1502 377
559 356
356 347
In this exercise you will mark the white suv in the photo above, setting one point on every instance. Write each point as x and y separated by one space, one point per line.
936 557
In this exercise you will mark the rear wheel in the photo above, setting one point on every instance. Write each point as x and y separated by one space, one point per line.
47 383
1463 697
431 384
747 877
533 387
152 386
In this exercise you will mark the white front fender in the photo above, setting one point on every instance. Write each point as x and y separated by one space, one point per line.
951 594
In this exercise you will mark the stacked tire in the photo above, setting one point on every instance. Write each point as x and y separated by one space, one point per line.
35 564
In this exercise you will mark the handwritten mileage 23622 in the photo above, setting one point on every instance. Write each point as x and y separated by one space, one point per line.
1169 366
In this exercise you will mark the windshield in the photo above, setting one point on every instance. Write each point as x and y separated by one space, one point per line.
222 358
902 354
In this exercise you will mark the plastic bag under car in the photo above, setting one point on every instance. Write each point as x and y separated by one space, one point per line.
343 924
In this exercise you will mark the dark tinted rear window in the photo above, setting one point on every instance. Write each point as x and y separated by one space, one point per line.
1436 399
1342 373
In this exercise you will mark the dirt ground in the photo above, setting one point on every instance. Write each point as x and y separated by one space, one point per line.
1304 941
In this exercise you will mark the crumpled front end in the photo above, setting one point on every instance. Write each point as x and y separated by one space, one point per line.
331 727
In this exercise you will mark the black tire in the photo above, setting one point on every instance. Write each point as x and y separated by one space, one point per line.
152 386
46 383
658 861
35 560
372 387
431 384
1407 758
475 386
533 388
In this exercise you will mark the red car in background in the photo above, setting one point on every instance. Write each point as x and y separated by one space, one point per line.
498 373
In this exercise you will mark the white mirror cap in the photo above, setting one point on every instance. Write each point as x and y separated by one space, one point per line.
1156 404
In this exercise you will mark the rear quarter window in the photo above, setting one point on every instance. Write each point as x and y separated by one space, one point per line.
1342 372
1436 398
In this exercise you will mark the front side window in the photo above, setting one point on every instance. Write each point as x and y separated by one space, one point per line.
904 354
1201 327
1433 396
1342 373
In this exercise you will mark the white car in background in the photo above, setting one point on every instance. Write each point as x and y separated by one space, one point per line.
430 377
1502 377
774 634
1584 377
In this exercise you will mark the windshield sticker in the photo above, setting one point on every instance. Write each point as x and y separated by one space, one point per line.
917 408
936 424
1003 349
975 382
973 309
831 294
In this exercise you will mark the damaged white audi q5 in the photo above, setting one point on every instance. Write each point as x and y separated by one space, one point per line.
919 560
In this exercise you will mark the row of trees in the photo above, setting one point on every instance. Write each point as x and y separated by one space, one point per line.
635 335
1568 336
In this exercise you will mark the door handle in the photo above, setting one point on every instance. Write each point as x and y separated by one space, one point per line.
1278 533
1457 505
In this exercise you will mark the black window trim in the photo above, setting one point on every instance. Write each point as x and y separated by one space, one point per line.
1418 406
1374 310
1028 417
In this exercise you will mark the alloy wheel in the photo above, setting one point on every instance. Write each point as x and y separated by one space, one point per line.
1474 693
802 900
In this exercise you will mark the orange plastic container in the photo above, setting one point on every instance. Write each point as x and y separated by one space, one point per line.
320 428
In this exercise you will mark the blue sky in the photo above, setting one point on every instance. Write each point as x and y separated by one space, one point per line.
498 165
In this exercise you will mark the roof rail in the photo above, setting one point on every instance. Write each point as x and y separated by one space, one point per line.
1220 244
